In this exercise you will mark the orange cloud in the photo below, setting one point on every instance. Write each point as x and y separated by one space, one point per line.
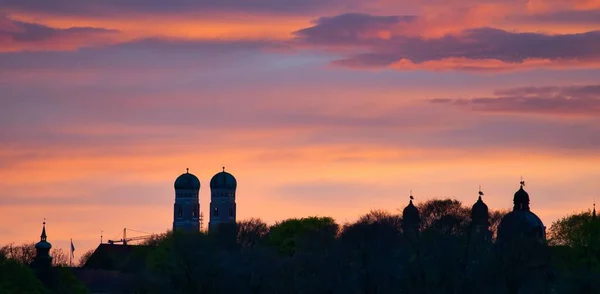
493 65
185 25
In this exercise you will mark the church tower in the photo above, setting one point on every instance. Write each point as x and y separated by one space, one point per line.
222 200
186 211
42 257
411 221
480 224
520 223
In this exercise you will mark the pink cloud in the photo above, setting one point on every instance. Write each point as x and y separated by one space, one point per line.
510 49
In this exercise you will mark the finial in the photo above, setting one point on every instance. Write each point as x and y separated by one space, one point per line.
43 236
411 196
223 168
522 182
480 192
594 211
187 170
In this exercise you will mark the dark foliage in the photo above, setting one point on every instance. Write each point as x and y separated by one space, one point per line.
371 255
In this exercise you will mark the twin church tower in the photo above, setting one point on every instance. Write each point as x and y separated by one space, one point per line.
186 213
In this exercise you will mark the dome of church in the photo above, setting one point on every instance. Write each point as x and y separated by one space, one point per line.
43 245
223 180
410 214
522 223
187 181
479 211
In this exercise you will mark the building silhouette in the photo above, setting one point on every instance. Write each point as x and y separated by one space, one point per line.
186 210
223 186
480 221
42 257
411 221
521 223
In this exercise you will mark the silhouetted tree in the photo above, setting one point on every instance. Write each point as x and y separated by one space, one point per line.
433 210
371 255
374 254
495 218
251 232
292 234
17 278
59 257
576 230
84 257
23 253
155 240
577 251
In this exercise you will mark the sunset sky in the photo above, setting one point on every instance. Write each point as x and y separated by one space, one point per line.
317 107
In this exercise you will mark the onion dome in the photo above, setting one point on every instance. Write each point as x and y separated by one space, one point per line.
187 181
223 180
410 214
480 211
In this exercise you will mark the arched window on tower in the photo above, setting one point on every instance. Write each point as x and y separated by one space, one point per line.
179 211
195 212
216 211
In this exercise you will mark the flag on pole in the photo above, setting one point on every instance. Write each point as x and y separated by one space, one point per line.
72 249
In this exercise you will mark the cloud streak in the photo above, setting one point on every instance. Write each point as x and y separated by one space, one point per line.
155 53
566 100
382 41
19 35
113 7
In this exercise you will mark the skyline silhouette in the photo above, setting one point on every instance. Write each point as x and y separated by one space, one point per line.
329 108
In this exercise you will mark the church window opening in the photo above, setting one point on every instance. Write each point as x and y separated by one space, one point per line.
179 211
216 211
195 212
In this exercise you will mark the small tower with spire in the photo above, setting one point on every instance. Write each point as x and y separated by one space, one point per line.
42 257
411 220
480 219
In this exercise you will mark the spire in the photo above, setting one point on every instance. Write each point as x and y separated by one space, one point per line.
43 236
223 168
187 170
594 211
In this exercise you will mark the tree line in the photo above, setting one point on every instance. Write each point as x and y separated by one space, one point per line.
371 255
